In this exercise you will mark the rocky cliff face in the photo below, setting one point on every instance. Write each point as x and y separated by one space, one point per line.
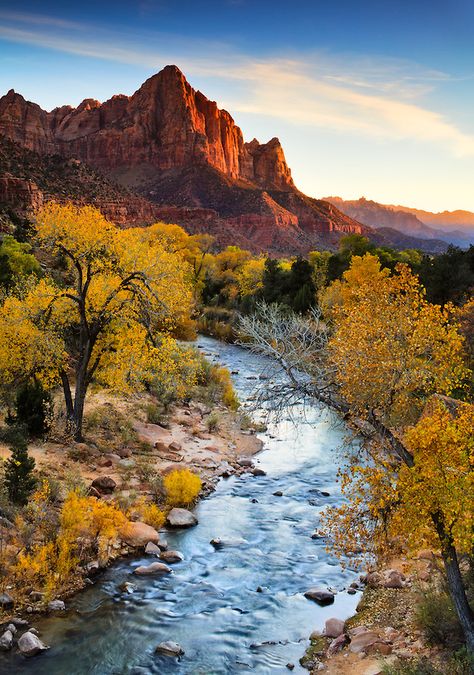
177 149
166 124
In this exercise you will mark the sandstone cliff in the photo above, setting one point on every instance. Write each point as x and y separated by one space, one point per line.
172 148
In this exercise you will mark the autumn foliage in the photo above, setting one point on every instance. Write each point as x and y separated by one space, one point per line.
182 487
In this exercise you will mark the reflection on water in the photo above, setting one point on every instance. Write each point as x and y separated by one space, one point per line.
210 604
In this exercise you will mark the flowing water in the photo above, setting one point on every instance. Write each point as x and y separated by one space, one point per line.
210 604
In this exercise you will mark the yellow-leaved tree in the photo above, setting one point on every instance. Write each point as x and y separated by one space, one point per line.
115 300
396 364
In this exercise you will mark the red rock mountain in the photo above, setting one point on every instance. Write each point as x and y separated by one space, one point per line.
176 149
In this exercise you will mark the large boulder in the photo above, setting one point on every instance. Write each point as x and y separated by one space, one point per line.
30 644
320 595
154 568
181 518
138 534
169 648
362 641
104 484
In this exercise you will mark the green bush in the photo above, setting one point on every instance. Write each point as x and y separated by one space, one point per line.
461 663
33 409
437 618
18 476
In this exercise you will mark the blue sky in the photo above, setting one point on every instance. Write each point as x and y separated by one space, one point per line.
368 98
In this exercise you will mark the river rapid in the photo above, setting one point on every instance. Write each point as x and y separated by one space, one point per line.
210 604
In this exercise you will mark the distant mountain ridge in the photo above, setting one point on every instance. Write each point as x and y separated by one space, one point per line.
445 226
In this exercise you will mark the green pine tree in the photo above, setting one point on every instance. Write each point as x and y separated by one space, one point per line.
19 479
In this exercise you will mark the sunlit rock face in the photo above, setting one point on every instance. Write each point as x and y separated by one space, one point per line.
175 148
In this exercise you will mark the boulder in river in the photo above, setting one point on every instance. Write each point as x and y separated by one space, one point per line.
320 595
6 641
258 472
152 549
138 534
171 556
170 648
29 644
181 518
127 587
154 568
56 606
221 543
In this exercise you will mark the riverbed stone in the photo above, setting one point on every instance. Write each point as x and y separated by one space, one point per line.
258 472
127 587
334 627
320 595
138 534
154 568
152 549
171 556
56 606
6 641
30 644
169 648
181 518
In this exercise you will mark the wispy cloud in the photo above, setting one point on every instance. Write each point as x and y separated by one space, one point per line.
382 99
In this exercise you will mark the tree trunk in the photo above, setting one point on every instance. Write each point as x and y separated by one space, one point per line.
79 401
455 583
68 400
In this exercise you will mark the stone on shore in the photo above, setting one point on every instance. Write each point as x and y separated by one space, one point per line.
6 641
154 568
334 628
6 601
362 641
181 518
169 648
30 644
320 595
104 484
56 606
139 534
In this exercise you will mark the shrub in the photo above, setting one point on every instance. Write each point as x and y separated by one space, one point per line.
181 487
461 663
213 422
437 618
18 477
152 515
34 409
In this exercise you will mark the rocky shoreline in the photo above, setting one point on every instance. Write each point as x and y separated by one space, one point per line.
185 442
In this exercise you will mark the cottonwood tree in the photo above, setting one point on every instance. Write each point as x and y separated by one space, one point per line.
389 361
106 315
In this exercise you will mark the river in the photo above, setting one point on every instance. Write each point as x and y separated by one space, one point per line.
210 604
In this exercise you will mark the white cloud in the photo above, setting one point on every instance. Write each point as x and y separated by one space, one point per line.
380 98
